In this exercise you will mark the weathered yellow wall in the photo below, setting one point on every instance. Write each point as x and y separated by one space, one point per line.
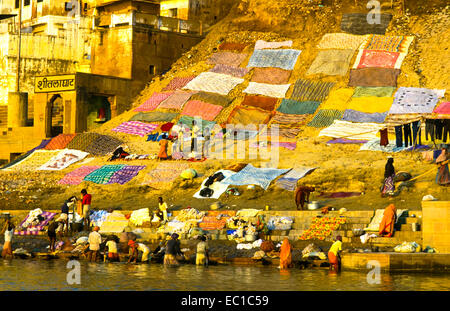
436 225
182 7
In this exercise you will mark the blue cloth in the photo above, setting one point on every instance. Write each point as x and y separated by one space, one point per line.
152 137
407 134
416 129
284 59
251 175
358 116
398 136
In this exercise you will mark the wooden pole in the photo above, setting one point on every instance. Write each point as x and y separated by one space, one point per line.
19 48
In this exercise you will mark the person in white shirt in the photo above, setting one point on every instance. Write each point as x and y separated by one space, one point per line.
111 246
94 240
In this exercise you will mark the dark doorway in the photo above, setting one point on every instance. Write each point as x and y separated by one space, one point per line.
99 111
56 115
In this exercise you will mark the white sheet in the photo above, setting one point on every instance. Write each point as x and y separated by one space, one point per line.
271 90
63 159
350 130
217 187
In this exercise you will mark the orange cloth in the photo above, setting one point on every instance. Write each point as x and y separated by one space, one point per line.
388 221
285 254
80 207
332 258
163 143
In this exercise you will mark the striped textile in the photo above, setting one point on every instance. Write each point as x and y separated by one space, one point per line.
214 83
289 132
232 46
309 90
59 142
176 100
153 102
284 59
77 176
270 90
331 62
270 75
325 117
82 141
135 128
398 44
290 106
103 175
284 118
341 41
227 58
187 121
125 174
177 83
103 145
350 130
237 72
261 44
197 108
38 229
289 180
263 102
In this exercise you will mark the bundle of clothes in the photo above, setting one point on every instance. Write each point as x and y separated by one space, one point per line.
437 129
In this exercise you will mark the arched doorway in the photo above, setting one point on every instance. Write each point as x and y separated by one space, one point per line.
55 111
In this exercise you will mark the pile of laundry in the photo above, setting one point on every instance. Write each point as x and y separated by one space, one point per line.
256 244
313 251
97 217
190 213
408 247
280 223
140 216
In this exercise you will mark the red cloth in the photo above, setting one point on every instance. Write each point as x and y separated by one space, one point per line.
166 127
384 140
87 199
388 221
378 59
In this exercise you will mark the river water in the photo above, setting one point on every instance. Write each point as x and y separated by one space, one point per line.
52 275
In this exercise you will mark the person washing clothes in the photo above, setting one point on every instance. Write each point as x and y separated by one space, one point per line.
285 254
334 257
94 240
172 250
8 230
111 246
135 248
202 252
386 228
86 202
51 232
302 195
63 218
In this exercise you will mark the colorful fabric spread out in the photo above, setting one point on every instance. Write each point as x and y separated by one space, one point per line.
443 108
103 145
398 44
59 142
237 72
135 128
373 91
35 229
358 116
178 83
34 160
270 90
103 174
368 109
176 100
214 83
82 141
309 90
251 175
125 174
63 159
331 62
372 77
153 102
350 130
290 106
378 59
322 227
284 59
232 46
262 102
187 121
325 117
212 223
164 174
77 176
341 41
197 108
227 58
270 75
212 98
261 44
414 100
154 116
290 179
346 141
289 119
248 115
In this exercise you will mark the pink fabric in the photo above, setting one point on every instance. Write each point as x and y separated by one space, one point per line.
153 102
177 100
379 59
206 111
178 83
443 108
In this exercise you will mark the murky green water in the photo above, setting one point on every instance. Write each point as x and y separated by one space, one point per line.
51 275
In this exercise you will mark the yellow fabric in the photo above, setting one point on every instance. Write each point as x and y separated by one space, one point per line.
246 116
200 260
337 246
371 104
338 100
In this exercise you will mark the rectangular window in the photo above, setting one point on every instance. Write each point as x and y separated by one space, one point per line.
151 69
17 4
26 2
173 12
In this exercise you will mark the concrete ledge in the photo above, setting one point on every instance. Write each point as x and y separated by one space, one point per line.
397 261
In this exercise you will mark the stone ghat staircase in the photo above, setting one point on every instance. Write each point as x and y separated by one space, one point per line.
302 221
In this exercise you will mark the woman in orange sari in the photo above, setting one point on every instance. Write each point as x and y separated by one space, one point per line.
388 221
163 143
285 255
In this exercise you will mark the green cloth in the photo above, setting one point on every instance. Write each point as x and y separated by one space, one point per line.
186 120
154 116
326 117
382 91
103 174
291 106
